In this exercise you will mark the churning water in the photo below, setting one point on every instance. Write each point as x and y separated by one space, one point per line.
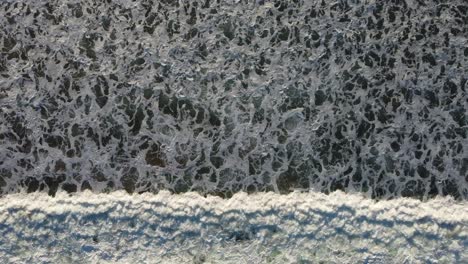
233 96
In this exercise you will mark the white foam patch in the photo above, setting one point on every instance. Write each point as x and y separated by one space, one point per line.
257 228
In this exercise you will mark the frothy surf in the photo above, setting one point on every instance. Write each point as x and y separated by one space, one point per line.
227 98
257 228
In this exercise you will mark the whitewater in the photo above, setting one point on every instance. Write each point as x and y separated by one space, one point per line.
256 228
234 131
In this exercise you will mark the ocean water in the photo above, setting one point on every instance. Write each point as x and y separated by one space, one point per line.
225 96
287 101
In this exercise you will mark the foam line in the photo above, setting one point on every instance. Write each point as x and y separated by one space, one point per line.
258 228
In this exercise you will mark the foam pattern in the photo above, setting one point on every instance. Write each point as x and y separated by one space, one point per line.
258 228
225 96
